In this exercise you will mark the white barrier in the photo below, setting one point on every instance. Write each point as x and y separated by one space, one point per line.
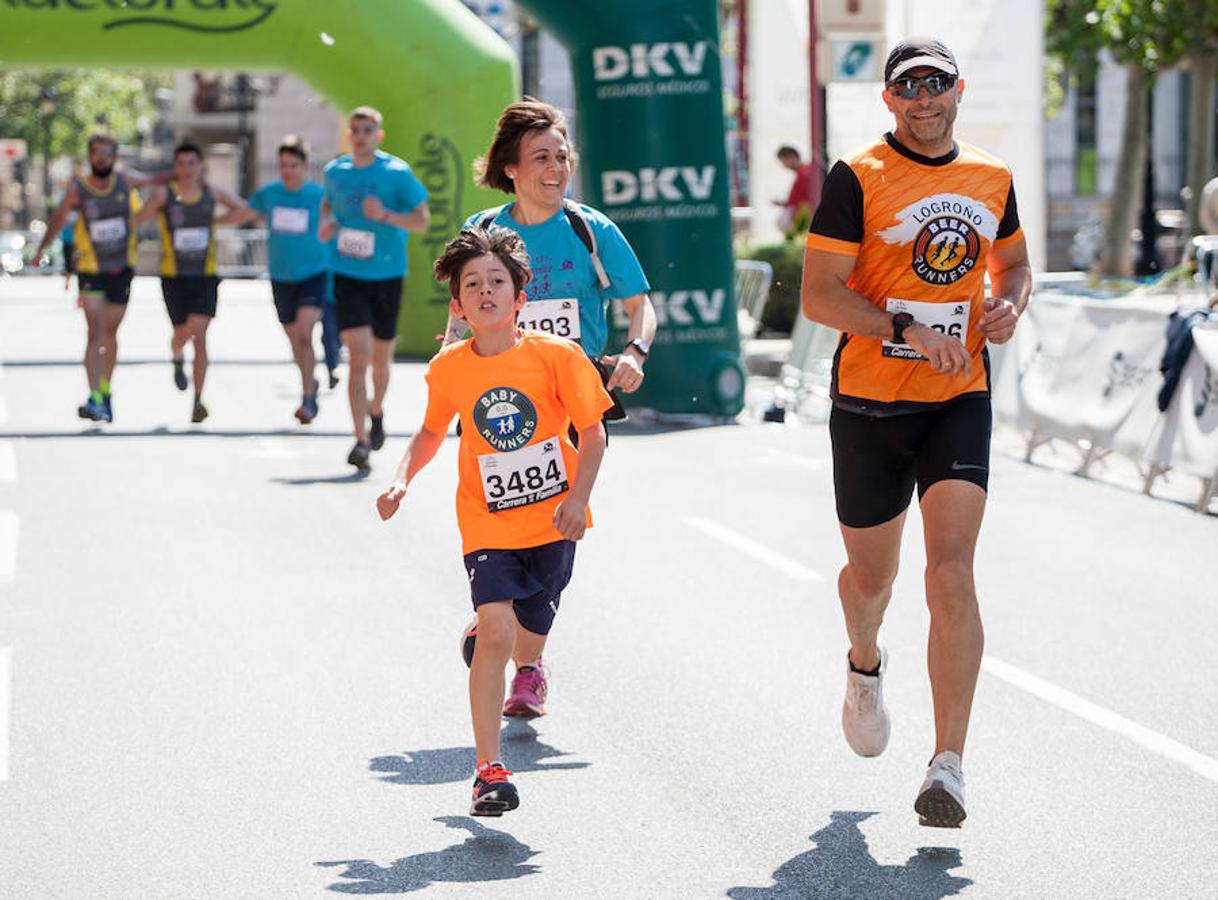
1187 437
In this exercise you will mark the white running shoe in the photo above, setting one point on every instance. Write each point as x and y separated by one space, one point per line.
864 715
940 802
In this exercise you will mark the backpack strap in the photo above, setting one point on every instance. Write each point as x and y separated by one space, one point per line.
484 224
584 232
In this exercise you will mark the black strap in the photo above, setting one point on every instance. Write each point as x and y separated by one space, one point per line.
578 223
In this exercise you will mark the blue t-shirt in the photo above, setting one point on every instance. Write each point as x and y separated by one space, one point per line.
372 251
562 267
294 252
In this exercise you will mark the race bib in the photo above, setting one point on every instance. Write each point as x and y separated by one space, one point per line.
557 317
108 231
191 240
289 220
356 243
523 477
946 318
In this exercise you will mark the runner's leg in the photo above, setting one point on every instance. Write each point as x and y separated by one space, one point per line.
112 317
951 513
196 329
529 647
300 334
92 302
382 362
359 357
865 585
496 634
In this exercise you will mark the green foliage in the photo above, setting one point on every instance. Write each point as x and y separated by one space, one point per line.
1153 34
79 101
787 260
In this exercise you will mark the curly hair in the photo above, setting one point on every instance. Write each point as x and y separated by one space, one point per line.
472 243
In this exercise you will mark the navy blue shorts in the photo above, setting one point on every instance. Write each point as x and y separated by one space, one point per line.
532 578
291 295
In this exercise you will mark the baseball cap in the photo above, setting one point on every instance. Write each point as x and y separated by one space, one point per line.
919 51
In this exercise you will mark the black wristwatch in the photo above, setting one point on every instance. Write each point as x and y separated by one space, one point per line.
643 348
900 321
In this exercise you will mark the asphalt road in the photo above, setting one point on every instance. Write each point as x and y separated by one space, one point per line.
221 676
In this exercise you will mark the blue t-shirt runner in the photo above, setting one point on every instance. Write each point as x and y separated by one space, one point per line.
364 249
563 270
294 252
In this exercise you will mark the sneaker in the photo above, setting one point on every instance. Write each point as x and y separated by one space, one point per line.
307 411
864 716
469 638
92 411
179 374
528 697
108 406
376 435
199 413
493 793
333 380
940 802
358 456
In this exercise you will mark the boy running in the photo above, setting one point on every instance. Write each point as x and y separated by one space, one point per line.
522 500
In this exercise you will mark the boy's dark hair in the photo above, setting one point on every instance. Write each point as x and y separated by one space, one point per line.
188 147
296 146
472 243
787 150
102 137
517 120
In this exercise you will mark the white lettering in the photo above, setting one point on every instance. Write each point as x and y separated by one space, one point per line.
648 60
619 188
690 59
609 63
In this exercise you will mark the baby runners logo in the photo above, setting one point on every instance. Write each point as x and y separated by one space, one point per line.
506 418
946 232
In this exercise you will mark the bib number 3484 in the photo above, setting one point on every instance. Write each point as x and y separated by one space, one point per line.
523 477
950 319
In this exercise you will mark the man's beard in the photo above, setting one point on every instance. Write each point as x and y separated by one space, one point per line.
101 172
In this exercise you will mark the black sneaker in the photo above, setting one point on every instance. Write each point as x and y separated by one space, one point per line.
107 408
493 793
376 435
92 411
199 413
333 380
179 374
358 456
307 411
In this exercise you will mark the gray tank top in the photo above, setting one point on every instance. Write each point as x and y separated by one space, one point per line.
106 225
188 236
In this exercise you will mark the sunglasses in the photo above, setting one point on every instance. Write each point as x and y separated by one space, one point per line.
907 88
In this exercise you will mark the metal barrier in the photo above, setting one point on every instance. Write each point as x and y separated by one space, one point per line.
240 253
753 279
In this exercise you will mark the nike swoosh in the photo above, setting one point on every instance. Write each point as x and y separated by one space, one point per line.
958 466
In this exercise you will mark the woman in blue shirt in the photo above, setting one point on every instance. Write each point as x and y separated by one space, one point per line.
574 275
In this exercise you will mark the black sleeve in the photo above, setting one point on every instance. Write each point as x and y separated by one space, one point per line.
1010 216
840 214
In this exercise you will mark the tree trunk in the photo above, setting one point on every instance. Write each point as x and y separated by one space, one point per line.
1116 256
1203 68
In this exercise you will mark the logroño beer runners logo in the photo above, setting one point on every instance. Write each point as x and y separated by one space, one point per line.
208 16
945 232
506 418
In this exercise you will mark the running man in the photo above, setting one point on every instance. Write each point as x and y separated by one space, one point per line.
186 214
522 498
911 386
105 203
297 259
373 200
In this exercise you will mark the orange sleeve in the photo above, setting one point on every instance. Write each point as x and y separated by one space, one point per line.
831 245
579 388
440 410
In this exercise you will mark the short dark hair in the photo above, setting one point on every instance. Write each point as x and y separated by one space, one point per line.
472 243
517 120
188 147
101 137
367 112
787 150
295 145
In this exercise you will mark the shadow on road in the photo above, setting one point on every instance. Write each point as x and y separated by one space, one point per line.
487 855
522 752
350 478
841 866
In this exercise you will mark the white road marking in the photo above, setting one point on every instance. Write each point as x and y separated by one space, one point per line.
3 411
1097 715
6 672
750 547
8 461
10 525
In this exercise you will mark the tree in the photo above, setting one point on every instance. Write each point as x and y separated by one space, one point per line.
55 110
1199 33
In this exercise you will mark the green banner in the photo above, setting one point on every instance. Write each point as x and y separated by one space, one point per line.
653 158
439 76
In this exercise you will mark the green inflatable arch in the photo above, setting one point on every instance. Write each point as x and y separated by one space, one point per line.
650 118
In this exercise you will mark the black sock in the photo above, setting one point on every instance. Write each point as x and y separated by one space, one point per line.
872 673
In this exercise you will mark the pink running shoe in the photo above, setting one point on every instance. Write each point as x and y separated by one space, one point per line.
527 699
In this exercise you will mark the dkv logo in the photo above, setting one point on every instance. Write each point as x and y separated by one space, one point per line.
693 307
662 60
673 183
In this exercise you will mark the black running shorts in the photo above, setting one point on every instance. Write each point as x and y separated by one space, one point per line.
877 460
116 286
291 295
189 295
532 578
359 303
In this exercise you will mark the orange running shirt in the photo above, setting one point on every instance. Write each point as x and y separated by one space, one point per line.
920 230
515 454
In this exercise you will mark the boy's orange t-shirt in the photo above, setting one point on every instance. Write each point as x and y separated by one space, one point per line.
520 400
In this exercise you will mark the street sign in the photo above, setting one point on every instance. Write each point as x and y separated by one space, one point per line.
850 16
855 59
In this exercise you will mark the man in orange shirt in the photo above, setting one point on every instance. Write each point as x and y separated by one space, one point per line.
522 498
896 258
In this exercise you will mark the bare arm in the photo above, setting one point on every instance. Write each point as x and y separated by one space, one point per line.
571 515
421 450
144 180
628 365
236 210
326 226
154 205
70 202
1011 287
